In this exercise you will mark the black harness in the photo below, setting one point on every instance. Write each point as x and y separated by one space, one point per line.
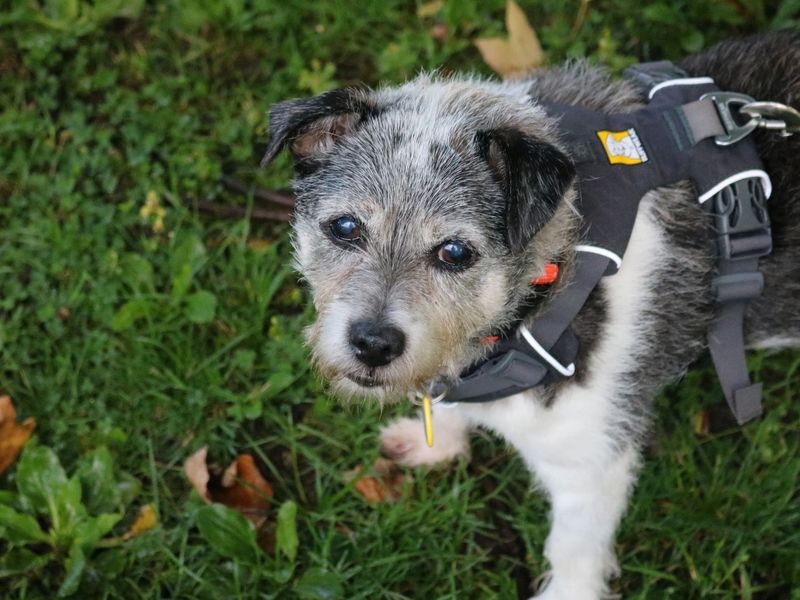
688 131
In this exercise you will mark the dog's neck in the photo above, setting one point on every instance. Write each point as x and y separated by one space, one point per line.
555 243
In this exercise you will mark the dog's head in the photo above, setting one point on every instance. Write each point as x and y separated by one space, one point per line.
422 213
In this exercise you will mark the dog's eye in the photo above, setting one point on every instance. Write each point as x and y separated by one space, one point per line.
455 254
346 229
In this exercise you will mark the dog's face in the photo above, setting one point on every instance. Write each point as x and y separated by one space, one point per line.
418 214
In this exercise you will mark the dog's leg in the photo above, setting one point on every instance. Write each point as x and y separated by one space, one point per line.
578 458
587 502
404 439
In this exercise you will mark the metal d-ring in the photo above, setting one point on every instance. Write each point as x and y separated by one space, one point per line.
416 398
724 102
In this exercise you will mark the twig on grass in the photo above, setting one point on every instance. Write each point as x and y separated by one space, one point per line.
238 212
234 185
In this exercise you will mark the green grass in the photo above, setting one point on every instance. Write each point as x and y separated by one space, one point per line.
157 343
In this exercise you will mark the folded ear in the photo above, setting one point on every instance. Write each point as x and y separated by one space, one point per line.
311 125
533 174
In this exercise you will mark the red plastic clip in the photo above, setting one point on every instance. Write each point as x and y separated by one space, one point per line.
549 276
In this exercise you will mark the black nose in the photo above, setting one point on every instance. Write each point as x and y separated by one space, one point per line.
374 344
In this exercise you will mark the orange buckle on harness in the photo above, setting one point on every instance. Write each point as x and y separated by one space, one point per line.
549 276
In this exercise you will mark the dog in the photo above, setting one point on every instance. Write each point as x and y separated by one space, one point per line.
423 211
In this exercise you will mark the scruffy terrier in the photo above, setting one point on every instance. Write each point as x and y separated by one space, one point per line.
423 212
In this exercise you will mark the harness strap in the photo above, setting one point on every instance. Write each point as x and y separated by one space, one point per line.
741 223
551 324
702 119
726 345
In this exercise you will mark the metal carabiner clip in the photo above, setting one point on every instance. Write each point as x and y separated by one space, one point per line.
775 116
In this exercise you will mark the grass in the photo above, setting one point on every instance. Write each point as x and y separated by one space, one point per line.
155 341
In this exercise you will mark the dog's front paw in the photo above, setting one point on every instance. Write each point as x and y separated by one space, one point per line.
404 442
550 590
552 593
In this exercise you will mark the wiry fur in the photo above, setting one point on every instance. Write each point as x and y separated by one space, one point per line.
416 165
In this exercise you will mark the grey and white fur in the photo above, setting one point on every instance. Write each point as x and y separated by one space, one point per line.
387 179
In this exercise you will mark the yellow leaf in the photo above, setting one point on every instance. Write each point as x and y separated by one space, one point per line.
429 9
520 53
146 520
152 208
701 423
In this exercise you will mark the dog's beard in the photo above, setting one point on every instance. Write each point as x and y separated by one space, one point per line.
421 367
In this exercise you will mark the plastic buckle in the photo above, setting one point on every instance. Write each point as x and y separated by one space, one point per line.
741 221
725 103
738 286
518 369
506 374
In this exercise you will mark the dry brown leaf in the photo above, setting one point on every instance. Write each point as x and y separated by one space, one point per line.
259 244
145 520
429 9
522 37
516 55
13 435
440 32
241 486
384 482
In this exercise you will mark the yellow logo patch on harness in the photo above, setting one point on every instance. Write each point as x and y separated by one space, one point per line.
623 147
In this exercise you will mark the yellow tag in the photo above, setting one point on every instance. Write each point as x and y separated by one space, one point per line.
623 147
428 417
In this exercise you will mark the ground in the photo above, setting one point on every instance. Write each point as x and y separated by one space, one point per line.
130 319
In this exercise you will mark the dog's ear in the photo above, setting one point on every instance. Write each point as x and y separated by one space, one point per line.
534 175
310 126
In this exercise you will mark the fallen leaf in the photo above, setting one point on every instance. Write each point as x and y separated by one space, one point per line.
258 244
13 435
440 32
516 55
702 423
241 486
153 212
383 482
429 9
197 472
145 520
